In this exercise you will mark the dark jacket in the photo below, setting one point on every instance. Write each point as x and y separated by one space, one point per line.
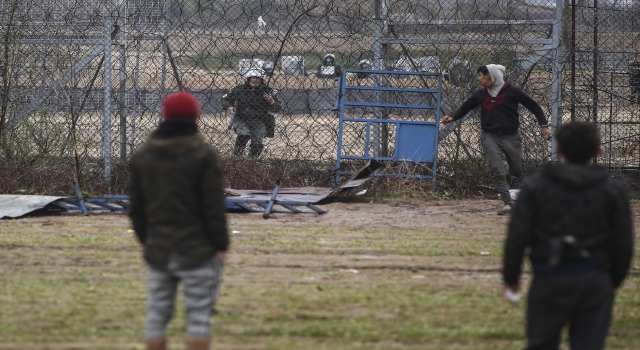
634 74
251 106
500 114
570 200
177 200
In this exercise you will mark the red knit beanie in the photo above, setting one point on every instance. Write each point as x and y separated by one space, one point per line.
179 105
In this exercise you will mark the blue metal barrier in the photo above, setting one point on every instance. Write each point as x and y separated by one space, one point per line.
415 141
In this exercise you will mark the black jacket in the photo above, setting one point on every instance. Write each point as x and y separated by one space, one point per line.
251 106
500 114
574 200
177 199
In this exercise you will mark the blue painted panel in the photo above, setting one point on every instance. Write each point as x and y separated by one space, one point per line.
416 142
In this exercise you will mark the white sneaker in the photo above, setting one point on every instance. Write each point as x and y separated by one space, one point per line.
505 210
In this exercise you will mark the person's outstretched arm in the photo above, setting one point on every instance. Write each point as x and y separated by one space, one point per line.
468 105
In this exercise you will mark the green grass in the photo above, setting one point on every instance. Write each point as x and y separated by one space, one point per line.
394 278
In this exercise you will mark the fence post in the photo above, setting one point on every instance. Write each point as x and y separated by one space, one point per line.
380 14
165 43
106 117
377 65
556 79
122 14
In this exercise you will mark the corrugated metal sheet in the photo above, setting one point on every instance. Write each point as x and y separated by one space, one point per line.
14 205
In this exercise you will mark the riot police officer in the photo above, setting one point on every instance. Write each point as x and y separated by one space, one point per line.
329 69
250 105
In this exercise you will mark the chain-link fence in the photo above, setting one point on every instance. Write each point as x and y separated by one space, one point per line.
601 76
83 80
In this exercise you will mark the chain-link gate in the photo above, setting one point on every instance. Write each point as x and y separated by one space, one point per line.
83 80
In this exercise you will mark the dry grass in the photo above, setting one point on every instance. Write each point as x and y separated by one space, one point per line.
400 274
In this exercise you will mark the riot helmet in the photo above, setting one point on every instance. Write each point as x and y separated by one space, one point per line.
254 72
328 59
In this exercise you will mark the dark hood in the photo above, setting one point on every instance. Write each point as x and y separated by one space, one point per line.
175 127
175 137
576 175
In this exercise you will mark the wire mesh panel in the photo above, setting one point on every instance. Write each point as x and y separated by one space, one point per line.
82 81
602 58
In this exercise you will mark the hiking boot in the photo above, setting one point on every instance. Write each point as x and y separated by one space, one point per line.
505 210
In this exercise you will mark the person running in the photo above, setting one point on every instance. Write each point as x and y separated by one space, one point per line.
500 120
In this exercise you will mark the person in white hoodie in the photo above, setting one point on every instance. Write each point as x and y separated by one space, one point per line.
500 120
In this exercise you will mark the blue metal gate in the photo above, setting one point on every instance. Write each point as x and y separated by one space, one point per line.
415 140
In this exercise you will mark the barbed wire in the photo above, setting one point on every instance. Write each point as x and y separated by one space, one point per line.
82 81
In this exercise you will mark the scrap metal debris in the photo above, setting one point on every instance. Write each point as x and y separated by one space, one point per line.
13 206
279 200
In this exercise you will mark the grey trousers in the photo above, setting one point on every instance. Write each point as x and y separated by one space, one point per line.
583 301
200 293
494 147
256 132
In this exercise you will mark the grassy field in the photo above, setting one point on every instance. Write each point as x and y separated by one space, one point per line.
393 274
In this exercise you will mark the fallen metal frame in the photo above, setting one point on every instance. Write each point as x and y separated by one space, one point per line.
116 203
285 207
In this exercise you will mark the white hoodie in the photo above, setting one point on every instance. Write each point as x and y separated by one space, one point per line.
497 74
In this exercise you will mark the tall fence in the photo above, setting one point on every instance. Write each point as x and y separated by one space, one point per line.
598 72
82 80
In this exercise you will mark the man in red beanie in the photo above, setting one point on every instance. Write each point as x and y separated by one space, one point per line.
178 214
